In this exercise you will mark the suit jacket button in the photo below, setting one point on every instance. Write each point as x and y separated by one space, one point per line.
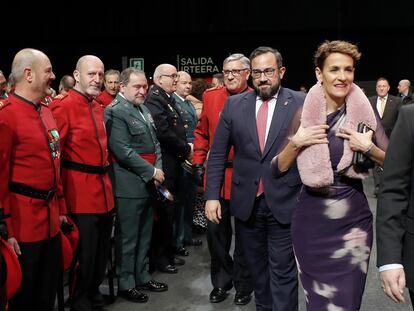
256 182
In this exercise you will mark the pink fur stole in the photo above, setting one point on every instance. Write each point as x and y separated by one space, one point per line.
314 163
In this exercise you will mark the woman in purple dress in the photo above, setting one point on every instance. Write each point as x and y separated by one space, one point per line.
332 224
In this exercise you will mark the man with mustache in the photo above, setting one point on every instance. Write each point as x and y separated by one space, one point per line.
256 125
225 273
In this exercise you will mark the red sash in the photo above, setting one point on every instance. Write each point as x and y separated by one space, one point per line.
149 157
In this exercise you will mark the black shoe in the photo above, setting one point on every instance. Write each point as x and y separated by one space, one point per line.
242 299
153 286
193 242
133 295
168 269
181 251
218 295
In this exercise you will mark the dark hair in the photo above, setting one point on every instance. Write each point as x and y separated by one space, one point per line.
265 49
199 86
382 79
125 75
337 46
219 76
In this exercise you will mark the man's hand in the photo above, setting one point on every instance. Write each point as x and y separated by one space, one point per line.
393 283
198 171
159 176
213 211
62 218
14 245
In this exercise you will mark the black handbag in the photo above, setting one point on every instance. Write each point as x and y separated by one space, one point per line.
359 160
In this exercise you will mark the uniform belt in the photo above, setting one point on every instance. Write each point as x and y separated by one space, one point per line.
229 164
31 192
86 168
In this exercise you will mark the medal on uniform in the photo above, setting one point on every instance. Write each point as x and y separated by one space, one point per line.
171 108
53 140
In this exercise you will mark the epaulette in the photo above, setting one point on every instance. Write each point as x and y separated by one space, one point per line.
59 96
114 103
4 103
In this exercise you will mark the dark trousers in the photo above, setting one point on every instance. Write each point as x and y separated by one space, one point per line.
40 263
377 175
224 271
2 281
162 250
269 254
92 256
183 227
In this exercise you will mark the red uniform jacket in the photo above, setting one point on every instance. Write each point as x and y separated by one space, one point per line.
83 140
29 155
213 103
104 98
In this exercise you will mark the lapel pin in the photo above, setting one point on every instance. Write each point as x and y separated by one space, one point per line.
285 103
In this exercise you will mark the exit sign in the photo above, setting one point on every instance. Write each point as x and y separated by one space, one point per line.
137 63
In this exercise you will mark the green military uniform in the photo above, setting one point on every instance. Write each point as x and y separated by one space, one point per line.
187 189
131 136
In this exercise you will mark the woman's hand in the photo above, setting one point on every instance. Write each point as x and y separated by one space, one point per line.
309 136
357 141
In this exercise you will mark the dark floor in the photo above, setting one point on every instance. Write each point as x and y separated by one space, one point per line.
189 289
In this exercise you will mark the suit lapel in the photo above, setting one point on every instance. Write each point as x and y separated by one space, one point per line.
249 113
279 118
389 105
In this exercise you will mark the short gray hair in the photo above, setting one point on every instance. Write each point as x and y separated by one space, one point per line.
238 56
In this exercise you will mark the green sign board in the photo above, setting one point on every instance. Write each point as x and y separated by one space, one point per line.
137 63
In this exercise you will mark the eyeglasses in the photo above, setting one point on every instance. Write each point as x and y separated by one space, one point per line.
234 72
268 72
172 76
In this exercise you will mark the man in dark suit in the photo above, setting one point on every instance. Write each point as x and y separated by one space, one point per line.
405 92
262 204
174 149
395 211
387 107
137 164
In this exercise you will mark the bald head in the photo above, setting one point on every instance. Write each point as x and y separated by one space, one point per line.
89 74
404 86
165 76
26 58
32 74
86 60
